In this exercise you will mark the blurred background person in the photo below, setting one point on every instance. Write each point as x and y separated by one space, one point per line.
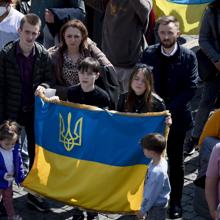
9 22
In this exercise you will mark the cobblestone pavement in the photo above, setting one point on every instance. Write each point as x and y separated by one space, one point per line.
60 211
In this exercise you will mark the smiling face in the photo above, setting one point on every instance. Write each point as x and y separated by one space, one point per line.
73 38
168 34
138 83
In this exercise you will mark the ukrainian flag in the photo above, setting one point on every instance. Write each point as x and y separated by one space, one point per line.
188 12
89 157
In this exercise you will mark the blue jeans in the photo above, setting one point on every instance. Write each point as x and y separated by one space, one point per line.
207 103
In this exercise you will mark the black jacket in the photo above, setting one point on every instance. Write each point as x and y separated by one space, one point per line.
10 78
175 81
158 104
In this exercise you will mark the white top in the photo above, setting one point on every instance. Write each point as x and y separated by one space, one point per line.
171 53
9 27
8 159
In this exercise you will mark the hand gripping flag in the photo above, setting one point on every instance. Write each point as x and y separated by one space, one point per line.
188 12
89 157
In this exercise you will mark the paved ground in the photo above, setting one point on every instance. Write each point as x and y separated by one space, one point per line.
61 212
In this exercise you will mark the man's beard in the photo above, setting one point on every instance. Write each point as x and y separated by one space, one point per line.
168 44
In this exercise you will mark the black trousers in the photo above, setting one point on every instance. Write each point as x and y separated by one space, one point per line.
26 119
176 165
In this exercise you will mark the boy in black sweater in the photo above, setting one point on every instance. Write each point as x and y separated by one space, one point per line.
86 92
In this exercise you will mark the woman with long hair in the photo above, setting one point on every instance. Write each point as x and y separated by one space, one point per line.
140 97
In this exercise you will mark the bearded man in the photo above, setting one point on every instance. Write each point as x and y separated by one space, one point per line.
175 78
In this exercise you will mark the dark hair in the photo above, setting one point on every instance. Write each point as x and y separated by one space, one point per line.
6 1
165 20
154 141
214 4
8 129
31 19
89 63
74 24
149 82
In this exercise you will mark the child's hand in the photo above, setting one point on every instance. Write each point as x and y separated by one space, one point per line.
140 215
8 177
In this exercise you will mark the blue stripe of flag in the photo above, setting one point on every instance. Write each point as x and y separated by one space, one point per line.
106 137
189 2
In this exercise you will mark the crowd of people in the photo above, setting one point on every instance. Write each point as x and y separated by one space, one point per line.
47 45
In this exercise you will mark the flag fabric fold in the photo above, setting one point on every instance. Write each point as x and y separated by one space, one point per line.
188 12
89 157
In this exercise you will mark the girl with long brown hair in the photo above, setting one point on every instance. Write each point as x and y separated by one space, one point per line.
140 97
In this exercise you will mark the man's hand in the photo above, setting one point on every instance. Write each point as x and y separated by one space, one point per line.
54 99
39 91
49 17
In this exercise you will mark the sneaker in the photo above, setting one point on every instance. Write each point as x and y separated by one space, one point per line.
190 145
38 203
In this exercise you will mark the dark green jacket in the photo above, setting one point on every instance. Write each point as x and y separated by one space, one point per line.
10 78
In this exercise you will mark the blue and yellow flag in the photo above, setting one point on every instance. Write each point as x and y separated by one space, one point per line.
188 12
89 157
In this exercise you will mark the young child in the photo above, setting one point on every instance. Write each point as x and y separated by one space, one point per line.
10 164
86 92
157 186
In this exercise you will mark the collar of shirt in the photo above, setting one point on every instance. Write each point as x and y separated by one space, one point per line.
172 52
19 51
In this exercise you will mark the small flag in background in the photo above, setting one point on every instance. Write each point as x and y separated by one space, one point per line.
188 12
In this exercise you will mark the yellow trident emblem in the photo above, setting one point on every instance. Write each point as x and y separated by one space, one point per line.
66 137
